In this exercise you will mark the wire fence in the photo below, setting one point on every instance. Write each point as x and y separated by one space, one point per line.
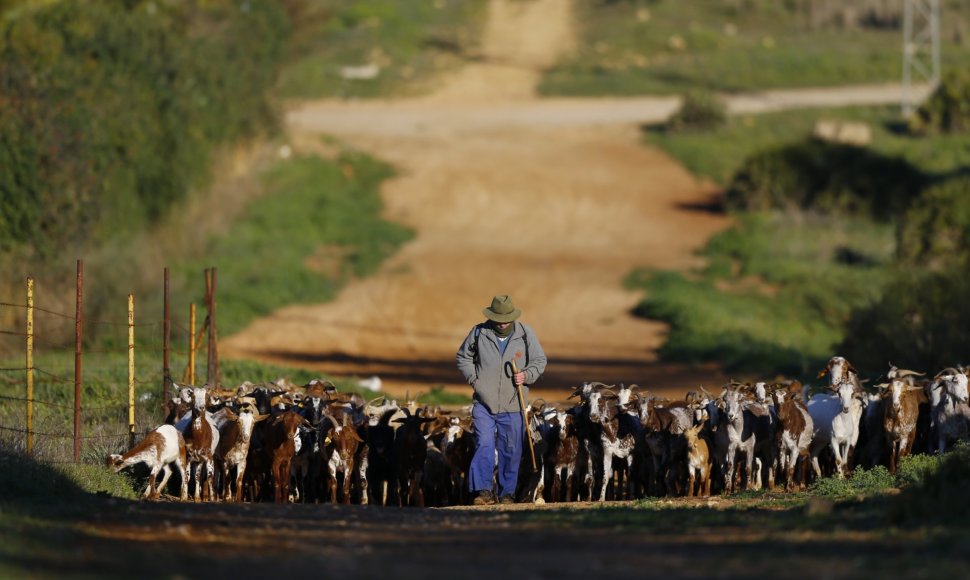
79 405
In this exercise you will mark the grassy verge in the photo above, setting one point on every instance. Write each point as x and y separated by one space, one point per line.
404 43
766 300
642 47
780 287
318 226
717 154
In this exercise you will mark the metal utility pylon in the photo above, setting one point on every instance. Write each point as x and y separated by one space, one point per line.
921 47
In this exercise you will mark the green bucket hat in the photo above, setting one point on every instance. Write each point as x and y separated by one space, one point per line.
501 310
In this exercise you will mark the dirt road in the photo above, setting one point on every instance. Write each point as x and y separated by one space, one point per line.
552 201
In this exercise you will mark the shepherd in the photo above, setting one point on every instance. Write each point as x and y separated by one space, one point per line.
499 358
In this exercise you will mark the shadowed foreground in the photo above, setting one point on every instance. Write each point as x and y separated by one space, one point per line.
699 538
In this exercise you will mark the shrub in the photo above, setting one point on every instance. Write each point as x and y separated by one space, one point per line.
948 108
825 177
915 469
698 112
922 321
941 496
935 232
862 482
111 110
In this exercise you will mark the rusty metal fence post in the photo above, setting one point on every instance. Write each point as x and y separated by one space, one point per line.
166 330
30 366
191 377
78 337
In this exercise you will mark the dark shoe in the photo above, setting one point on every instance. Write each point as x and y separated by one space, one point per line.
484 498
506 500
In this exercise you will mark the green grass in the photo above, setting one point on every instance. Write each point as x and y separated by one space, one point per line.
717 154
410 41
673 46
318 227
766 299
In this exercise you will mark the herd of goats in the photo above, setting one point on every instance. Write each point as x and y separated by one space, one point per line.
279 442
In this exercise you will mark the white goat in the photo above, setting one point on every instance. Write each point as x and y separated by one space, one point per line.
949 411
735 434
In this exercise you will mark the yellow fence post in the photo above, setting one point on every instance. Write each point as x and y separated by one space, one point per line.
192 343
30 366
131 370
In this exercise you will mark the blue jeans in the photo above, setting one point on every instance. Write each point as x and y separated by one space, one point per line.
505 431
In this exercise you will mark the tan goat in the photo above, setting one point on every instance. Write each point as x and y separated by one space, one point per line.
698 463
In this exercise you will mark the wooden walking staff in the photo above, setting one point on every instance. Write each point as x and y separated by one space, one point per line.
525 417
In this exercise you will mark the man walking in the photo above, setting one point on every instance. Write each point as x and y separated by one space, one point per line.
486 358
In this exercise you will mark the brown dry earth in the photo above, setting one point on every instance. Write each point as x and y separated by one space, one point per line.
550 202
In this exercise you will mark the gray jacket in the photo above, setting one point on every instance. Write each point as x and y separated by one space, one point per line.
491 377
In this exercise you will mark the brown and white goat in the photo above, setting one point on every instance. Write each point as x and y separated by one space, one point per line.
794 432
159 449
618 432
235 435
900 411
562 454
201 441
340 450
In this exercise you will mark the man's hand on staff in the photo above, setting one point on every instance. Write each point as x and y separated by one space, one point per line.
519 378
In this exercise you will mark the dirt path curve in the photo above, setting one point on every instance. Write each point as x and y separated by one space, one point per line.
553 201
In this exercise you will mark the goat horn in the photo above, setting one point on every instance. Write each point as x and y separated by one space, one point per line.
602 385
908 373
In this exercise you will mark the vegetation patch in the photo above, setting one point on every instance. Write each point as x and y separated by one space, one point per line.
825 177
938 496
630 47
794 326
948 108
921 322
311 203
785 287
378 48
698 112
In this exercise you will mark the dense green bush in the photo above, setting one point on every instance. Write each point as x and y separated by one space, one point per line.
861 482
698 112
825 177
948 108
935 232
914 469
111 109
922 322
941 496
